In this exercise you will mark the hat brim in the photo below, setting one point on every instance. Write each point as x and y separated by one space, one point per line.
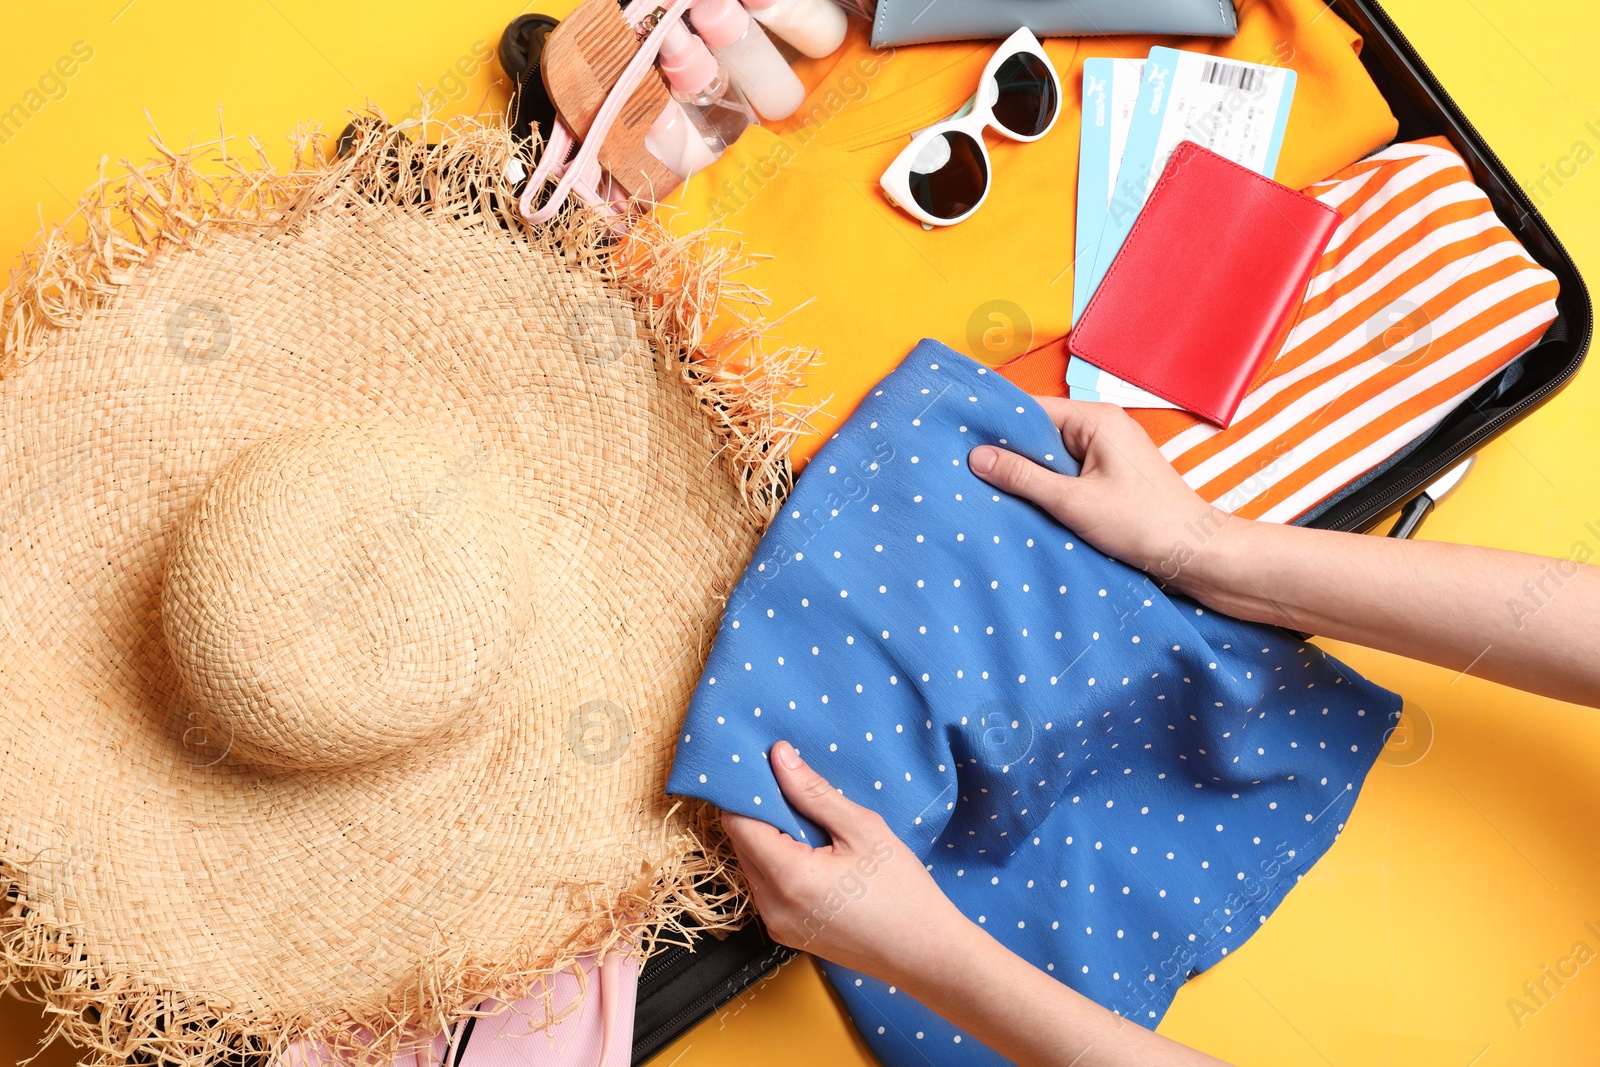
169 895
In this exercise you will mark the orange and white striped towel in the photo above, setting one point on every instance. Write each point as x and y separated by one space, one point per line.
1421 296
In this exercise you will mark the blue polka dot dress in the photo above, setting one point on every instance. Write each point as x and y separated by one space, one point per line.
1116 783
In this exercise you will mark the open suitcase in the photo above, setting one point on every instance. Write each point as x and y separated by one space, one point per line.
678 988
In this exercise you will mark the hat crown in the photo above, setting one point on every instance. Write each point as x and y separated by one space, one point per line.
344 592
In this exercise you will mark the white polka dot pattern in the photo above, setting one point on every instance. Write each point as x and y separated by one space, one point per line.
1118 784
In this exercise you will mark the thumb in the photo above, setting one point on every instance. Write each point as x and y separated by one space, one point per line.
812 795
1023 477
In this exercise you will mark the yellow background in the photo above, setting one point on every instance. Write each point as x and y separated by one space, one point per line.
1460 876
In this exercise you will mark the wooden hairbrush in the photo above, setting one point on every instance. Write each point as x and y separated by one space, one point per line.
582 62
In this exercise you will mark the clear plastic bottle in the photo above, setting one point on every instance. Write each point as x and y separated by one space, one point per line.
815 28
757 67
680 142
704 87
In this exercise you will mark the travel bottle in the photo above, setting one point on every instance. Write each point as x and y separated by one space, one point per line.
815 28
704 87
758 69
680 142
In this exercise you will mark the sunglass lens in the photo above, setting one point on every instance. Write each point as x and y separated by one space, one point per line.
949 176
1027 95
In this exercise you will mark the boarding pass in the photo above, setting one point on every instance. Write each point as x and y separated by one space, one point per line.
1238 110
1110 90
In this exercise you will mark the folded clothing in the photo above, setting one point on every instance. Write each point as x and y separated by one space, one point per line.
861 282
1421 297
1118 784
584 1018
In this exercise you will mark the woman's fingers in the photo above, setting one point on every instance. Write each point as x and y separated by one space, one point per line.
811 795
1023 477
760 843
771 851
1078 421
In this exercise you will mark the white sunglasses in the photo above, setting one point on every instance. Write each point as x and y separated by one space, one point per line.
942 176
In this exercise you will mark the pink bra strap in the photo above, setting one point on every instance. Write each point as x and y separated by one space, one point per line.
610 990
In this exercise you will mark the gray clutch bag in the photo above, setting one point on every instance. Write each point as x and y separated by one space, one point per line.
901 22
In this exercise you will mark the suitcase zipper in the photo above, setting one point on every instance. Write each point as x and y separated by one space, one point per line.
679 1022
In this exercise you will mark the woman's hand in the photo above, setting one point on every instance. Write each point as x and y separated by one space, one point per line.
1128 501
865 901
1522 620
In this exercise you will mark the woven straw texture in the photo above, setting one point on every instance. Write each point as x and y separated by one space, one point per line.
358 554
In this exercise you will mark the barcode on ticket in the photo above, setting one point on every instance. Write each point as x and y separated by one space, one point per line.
1231 76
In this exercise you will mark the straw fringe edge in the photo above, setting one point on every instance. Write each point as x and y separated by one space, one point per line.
678 284
116 1017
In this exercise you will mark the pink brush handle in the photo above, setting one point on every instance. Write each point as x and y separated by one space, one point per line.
588 154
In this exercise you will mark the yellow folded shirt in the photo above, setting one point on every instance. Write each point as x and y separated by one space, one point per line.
860 282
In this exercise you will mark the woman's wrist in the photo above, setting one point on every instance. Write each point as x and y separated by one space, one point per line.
929 976
1201 563
1246 570
921 964
1015 1008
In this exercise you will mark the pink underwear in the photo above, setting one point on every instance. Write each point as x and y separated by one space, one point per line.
599 1033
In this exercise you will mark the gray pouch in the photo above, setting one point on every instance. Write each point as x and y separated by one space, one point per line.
901 22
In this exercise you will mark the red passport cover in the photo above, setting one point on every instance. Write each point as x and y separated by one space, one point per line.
1203 290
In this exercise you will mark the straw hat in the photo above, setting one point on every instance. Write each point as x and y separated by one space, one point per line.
358 554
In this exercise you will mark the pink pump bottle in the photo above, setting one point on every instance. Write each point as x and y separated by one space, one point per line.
703 85
757 67
707 112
